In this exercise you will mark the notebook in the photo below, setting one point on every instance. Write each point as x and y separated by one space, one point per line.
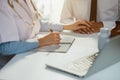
63 47
88 65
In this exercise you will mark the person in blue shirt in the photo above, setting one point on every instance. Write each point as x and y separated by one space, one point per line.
20 23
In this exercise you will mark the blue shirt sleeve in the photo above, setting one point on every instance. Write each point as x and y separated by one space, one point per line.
17 47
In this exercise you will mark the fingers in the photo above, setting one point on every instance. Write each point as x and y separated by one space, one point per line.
85 27
84 23
76 31
83 31
53 38
56 38
86 30
89 29
87 23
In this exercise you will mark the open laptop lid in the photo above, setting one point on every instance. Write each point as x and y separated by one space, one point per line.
107 57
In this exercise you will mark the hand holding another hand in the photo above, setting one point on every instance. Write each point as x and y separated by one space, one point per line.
92 28
80 26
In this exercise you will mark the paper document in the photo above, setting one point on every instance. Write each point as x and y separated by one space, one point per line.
63 47
67 40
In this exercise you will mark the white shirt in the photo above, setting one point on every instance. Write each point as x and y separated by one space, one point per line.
14 27
107 11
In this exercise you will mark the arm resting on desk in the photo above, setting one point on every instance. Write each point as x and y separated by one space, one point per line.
17 47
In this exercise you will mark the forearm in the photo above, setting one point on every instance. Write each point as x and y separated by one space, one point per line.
45 26
17 47
67 27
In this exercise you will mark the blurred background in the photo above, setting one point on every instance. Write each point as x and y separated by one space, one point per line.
50 10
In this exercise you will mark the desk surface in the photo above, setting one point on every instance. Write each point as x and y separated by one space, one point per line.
31 65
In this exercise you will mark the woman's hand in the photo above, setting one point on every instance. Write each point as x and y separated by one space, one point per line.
81 26
52 38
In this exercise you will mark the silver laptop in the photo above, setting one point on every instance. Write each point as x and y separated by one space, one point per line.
86 66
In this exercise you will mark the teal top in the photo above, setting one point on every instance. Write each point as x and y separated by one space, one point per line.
17 47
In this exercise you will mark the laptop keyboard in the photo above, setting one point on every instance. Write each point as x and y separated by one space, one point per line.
81 65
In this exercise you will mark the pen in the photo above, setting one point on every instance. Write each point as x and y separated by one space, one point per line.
51 30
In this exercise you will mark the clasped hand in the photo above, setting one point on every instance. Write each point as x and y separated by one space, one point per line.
86 27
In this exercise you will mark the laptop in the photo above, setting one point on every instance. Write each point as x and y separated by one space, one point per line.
89 65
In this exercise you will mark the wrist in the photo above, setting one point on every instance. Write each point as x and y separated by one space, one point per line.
97 26
41 42
66 27
100 24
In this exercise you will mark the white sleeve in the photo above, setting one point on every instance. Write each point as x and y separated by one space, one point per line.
8 29
109 24
119 10
45 26
107 12
67 13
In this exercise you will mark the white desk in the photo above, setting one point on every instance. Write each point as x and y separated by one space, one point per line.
31 65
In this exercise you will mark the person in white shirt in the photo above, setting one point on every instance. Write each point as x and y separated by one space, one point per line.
107 13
